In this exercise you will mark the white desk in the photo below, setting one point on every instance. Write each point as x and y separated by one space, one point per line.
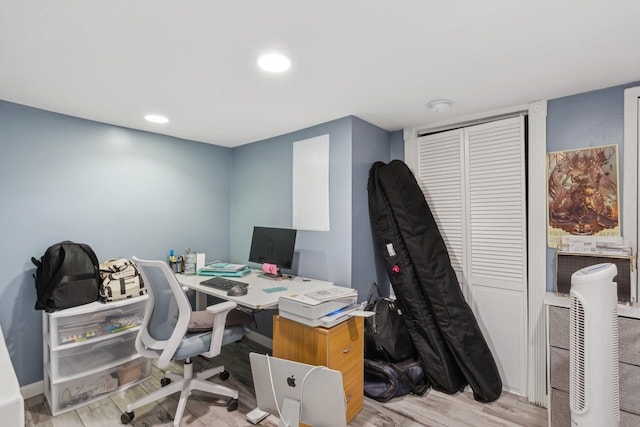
256 298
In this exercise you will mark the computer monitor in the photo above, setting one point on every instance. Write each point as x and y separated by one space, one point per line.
273 246
298 393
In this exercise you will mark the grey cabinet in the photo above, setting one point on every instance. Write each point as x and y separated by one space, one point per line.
558 370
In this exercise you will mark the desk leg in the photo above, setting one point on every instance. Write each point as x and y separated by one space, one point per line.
201 301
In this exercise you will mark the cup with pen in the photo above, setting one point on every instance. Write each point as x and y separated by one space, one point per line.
176 262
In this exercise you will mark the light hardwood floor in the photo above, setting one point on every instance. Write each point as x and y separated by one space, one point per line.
432 409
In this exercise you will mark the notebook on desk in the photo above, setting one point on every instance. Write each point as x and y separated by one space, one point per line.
210 272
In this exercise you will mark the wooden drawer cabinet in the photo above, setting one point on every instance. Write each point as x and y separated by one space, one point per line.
340 348
558 353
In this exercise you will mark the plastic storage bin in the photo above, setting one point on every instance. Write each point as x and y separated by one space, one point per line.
89 352
92 355
93 320
69 395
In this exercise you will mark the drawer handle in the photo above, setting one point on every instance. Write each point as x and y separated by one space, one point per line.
107 343
348 399
109 313
347 350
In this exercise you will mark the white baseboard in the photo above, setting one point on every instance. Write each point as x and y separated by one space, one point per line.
32 390
259 338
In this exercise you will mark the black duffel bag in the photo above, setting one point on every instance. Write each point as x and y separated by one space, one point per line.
385 380
385 334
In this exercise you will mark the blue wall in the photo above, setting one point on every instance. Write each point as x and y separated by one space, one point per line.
370 144
123 192
261 195
588 119
126 192
396 145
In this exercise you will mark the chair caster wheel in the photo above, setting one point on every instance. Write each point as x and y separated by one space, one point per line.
165 382
126 417
224 375
232 405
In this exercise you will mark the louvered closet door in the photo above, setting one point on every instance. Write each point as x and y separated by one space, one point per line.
441 178
497 259
473 181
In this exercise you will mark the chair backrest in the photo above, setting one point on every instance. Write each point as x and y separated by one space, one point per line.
168 311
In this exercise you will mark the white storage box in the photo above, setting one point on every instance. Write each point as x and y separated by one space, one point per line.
90 355
89 352
95 319
69 395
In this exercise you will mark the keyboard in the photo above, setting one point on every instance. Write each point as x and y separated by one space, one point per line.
222 283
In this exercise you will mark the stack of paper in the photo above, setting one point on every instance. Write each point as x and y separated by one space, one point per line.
218 268
332 293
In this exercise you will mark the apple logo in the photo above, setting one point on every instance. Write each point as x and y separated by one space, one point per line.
291 381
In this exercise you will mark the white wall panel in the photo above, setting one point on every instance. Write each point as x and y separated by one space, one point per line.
310 182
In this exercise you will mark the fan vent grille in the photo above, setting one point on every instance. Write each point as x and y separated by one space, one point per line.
577 390
615 371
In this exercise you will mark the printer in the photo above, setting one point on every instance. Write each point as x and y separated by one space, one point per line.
325 307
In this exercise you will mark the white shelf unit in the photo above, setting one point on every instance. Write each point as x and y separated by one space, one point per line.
89 352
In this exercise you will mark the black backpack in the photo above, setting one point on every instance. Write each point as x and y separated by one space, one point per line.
386 336
67 276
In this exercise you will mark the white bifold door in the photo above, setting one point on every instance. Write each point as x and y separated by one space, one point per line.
474 182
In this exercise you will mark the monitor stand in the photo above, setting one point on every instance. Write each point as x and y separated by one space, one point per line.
268 273
290 413
276 276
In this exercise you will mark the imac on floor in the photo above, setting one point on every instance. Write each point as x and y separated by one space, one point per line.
297 392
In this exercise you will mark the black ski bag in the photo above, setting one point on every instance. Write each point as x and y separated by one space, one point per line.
67 275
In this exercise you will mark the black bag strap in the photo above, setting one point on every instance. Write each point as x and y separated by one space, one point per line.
45 301
61 274
61 271
92 255
374 324
374 287
370 301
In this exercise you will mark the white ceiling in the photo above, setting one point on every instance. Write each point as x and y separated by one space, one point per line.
381 60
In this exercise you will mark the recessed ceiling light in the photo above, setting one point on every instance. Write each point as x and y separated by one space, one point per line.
156 118
274 62
439 105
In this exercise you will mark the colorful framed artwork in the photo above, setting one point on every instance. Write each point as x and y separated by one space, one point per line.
582 193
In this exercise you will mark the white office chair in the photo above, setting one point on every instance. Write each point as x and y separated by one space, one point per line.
164 336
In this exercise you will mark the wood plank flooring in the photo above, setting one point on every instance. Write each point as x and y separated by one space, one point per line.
433 409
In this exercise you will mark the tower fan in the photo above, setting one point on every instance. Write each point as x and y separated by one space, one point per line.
593 347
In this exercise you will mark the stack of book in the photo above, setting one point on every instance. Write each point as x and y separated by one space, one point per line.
218 268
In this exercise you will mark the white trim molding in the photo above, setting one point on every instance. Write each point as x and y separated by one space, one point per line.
630 219
537 250
31 390
411 149
469 120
